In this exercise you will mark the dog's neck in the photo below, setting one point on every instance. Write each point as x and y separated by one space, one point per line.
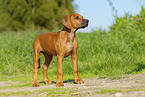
70 33
69 30
66 29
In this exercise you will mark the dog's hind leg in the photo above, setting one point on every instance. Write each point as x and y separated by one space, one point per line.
35 61
36 58
48 59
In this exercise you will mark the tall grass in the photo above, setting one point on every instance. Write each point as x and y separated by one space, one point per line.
100 53
112 53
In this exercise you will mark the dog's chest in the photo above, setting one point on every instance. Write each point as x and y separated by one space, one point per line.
68 48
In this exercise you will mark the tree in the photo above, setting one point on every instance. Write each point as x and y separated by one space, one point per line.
30 14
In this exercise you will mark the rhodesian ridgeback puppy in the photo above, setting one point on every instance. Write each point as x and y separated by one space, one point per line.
61 44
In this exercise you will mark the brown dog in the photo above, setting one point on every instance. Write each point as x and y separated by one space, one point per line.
61 44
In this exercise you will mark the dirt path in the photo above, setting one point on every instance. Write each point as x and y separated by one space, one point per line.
121 86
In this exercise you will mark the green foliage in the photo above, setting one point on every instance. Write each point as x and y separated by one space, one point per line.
30 14
130 23
112 53
101 53
118 51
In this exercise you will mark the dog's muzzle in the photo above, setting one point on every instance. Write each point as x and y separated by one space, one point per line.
85 23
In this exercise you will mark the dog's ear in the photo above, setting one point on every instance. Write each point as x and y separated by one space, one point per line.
66 21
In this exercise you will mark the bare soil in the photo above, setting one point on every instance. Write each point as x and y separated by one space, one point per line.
118 86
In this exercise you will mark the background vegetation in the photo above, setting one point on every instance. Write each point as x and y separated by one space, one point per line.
33 14
118 51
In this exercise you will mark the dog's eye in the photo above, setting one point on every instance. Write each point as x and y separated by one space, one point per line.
77 18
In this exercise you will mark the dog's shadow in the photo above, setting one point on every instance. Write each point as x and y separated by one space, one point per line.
66 81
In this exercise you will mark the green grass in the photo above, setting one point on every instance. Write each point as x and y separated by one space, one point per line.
112 77
117 77
25 81
120 51
112 91
51 91
99 53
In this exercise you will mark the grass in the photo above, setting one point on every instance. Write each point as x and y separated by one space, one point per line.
100 53
25 81
120 51
112 77
117 77
112 91
51 91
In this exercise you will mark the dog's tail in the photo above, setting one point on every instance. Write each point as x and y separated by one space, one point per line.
39 63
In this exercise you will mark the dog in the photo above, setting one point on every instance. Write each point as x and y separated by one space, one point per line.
60 44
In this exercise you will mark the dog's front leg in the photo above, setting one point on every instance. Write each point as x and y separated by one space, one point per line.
74 58
59 71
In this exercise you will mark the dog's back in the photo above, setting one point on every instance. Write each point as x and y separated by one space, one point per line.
46 42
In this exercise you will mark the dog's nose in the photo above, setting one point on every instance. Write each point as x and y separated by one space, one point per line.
87 21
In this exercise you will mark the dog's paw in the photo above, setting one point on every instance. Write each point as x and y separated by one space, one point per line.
48 82
59 83
79 81
35 84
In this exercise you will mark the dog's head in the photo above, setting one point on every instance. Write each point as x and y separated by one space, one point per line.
74 21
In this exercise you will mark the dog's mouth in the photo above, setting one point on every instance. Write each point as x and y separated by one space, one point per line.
84 23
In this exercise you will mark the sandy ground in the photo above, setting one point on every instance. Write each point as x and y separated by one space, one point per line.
125 86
